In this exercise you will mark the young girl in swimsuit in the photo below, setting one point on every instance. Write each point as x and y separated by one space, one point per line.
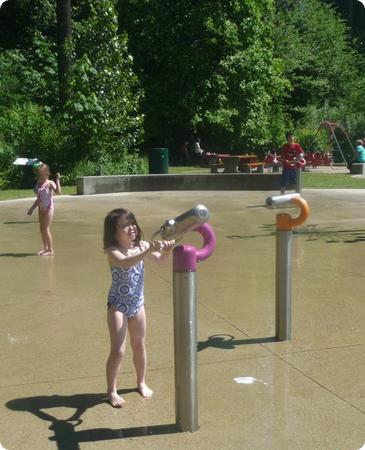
44 189
126 252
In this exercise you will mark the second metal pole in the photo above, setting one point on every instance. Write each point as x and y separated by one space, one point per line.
185 343
298 183
283 284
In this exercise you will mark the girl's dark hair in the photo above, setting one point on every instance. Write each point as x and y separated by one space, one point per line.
110 226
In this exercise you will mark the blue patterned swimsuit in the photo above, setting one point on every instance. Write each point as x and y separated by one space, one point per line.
126 291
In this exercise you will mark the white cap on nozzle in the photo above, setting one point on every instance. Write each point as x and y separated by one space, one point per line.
282 201
189 220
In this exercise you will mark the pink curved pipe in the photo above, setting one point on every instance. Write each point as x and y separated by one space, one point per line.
209 242
185 257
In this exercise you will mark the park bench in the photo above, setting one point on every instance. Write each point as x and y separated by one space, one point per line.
357 169
245 167
214 163
230 164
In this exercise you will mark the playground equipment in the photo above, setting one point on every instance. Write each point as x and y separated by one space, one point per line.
332 127
272 160
284 234
316 159
185 259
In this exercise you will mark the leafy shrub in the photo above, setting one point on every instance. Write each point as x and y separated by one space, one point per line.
12 178
129 164
6 156
30 132
29 76
310 140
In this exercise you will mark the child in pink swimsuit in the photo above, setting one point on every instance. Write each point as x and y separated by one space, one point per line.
44 189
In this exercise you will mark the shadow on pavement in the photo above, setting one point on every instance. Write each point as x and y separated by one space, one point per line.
17 255
66 436
228 342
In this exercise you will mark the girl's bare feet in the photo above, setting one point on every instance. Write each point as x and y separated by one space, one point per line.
144 390
47 253
40 253
115 400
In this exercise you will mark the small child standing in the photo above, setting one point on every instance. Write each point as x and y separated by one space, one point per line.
126 252
292 158
44 189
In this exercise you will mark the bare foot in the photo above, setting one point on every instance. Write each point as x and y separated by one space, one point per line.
115 400
40 253
144 390
47 253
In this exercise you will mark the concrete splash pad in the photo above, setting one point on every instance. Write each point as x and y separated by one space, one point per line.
254 393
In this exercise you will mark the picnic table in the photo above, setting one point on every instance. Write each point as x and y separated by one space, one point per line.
233 163
214 161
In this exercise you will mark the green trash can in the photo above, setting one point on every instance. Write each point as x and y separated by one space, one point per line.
28 178
158 160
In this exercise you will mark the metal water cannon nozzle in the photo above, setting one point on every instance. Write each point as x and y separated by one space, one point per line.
189 220
282 201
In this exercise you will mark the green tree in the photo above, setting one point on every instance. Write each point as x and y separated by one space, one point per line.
102 112
28 85
354 13
28 59
63 11
100 120
20 18
206 67
319 62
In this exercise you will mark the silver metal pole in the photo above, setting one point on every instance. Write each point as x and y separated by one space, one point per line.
283 284
185 344
298 186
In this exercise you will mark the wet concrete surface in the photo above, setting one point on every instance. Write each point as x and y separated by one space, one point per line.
305 394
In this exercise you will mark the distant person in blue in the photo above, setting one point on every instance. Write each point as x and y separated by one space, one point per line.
359 153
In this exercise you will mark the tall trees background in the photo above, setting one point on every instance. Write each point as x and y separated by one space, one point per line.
148 73
207 67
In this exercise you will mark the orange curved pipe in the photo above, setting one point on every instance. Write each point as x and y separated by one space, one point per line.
286 223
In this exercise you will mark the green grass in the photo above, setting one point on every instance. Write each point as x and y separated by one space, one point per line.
309 180
188 169
331 181
11 194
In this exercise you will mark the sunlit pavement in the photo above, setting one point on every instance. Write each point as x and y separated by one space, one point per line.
254 393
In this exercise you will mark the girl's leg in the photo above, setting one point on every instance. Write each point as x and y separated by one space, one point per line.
137 333
41 229
45 220
117 325
283 181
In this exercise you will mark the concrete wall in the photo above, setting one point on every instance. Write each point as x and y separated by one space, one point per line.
181 182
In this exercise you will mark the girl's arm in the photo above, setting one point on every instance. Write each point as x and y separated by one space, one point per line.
117 259
56 186
162 250
33 207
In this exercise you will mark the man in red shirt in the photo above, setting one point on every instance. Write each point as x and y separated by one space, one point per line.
292 157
